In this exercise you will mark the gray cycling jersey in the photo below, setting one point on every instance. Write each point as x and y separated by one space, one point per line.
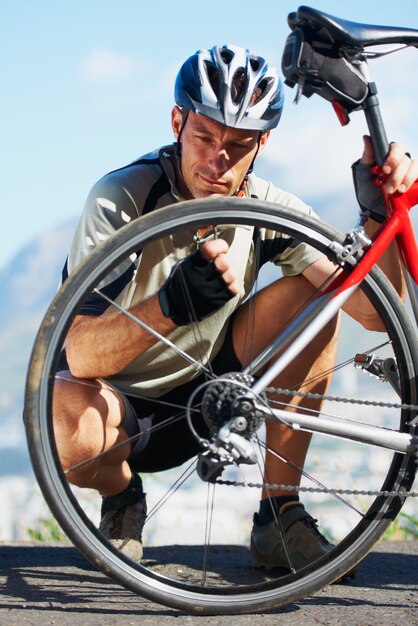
147 184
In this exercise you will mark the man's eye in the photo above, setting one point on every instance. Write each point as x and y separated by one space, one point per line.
249 146
241 146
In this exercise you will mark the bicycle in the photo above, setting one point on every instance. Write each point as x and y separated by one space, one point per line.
197 575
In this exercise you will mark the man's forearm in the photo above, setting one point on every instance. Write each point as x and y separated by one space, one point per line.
98 347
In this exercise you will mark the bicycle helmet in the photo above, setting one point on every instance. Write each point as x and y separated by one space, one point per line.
232 86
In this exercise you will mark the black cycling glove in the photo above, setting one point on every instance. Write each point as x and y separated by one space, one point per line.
368 194
193 290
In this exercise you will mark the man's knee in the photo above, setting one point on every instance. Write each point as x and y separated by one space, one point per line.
85 413
270 310
268 314
73 398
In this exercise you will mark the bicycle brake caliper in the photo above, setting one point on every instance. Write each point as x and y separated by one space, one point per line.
355 244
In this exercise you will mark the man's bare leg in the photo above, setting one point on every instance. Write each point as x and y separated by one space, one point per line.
279 544
270 310
87 421
88 417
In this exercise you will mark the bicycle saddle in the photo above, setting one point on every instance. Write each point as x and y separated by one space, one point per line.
339 31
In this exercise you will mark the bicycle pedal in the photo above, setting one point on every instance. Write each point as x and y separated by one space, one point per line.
385 370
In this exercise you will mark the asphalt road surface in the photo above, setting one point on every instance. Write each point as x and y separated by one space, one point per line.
47 585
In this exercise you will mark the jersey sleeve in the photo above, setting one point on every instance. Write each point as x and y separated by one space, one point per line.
108 207
290 253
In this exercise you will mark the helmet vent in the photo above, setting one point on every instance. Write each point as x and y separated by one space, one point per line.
213 76
226 55
260 91
239 83
255 64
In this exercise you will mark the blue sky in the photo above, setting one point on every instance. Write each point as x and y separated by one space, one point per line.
87 87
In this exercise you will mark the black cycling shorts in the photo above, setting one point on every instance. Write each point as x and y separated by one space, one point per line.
158 449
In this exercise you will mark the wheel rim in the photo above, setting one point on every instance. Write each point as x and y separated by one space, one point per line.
260 591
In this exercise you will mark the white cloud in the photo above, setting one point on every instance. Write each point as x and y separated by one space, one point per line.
312 153
163 86
103 65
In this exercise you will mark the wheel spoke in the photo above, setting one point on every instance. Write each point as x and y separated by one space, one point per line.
196 545
303 473
210 500
173 487
169 344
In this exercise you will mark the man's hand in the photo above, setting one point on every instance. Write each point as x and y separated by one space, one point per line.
399 170
215 251
199 285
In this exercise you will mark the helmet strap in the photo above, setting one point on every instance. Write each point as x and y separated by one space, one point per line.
241 190
250 169
177 145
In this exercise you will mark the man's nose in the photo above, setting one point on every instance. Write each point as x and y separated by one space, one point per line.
219 159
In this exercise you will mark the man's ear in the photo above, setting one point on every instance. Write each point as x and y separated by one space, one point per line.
263 141
176 121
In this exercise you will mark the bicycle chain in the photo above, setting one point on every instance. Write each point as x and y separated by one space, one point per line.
340 492
318 396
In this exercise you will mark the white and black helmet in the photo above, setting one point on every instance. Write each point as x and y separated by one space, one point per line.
232 86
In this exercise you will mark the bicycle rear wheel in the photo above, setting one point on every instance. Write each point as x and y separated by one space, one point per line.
181 567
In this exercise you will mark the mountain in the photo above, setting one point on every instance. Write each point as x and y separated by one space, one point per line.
27 285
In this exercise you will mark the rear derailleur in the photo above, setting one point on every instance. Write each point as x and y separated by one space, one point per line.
232 418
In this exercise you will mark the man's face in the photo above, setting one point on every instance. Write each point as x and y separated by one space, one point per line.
214 158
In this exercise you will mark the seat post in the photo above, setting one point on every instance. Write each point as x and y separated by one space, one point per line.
373 115
376 128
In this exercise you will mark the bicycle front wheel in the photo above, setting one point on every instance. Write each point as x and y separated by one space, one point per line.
354 490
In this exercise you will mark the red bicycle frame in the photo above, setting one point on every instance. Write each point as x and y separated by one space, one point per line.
397 226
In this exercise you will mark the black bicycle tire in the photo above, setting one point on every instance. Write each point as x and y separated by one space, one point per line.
37 403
